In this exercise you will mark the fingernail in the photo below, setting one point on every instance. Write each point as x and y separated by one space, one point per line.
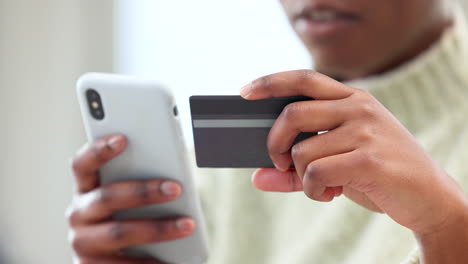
246 90
170 188
185 224
115 142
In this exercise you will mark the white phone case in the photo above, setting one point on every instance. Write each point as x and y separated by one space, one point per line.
143 111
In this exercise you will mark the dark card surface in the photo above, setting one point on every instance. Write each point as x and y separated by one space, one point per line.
231 132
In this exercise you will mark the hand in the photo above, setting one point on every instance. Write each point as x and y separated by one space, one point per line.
366 153
94 236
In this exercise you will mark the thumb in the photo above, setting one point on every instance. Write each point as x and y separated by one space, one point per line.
273 180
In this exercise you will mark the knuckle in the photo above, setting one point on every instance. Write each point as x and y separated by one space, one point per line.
98 152
162 228
264 81
315 173
367 109
117 231
73 213
272 145
365 134
103 196
304 75
73 216
312 171
363 94
76 164
142 192
77 159
310 194
76 241
291 111
262 84
297 151
366 105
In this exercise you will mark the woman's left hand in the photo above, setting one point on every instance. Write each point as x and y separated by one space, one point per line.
366 153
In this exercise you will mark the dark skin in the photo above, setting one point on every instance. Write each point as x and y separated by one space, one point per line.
367 155
381 35
383 168
96 238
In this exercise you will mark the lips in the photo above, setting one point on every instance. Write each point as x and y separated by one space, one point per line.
318 22
325 16
323 10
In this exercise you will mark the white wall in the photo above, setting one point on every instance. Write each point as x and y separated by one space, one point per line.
205 46
464 4
44 46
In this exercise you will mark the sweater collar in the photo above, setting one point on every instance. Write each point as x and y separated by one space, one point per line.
429 87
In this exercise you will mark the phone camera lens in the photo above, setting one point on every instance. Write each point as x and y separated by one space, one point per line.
95 105
93 95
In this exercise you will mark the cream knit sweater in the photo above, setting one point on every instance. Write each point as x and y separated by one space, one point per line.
429 95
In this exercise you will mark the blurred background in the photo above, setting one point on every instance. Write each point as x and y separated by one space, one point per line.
194 47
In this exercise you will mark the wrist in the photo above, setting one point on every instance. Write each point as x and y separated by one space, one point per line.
449 242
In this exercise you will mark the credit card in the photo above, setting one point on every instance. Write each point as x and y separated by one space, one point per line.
231 132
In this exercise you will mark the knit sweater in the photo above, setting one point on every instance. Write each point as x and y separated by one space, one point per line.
429 95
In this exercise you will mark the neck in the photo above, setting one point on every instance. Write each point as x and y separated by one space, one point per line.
407 52
429 87
424 42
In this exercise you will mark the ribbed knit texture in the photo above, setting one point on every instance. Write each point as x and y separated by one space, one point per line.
429 95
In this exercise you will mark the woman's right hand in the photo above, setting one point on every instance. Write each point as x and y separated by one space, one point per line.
96 238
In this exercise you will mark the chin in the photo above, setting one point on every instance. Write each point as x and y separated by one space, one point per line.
344 63
340 70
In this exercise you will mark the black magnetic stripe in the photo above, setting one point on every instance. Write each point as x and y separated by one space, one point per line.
251 116
231 123
236 105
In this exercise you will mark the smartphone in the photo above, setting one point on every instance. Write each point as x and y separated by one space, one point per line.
145 113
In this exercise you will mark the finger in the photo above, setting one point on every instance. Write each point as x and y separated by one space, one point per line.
115 260
308 116
92 157
347 169
331 143
102 203
299 82
109 238
273 180
338 190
